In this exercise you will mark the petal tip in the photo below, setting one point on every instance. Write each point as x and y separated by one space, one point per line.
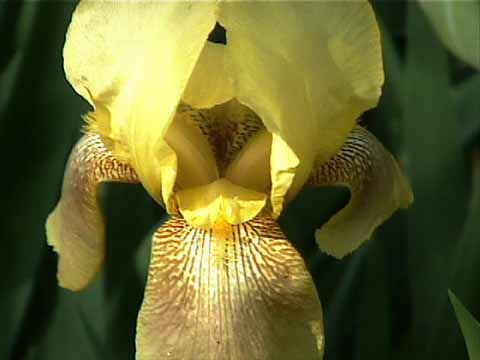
330 246
69 276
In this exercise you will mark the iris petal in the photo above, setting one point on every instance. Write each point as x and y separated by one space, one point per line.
233 292
220 201
308 80
210 84
377 185
254 158
75 228
135 60
283 169
196 162
308 83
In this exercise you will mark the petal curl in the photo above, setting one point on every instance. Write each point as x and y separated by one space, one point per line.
378 188
235 292
75 228
134 59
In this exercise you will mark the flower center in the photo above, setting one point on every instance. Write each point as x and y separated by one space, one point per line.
227 128
223 163
228 140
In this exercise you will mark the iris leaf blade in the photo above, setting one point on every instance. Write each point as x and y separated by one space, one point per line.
469 325
35 132
437 168
457 25
468 108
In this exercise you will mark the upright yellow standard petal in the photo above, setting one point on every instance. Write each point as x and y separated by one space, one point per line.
134 59
308 69
210 83
234 292
308 81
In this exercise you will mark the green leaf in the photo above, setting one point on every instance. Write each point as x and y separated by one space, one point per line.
457 25
17 19
373 338
66 336
470 327
467 265
340 306
392 14
468 108
130 215
92 305
465 272
437 167
36 132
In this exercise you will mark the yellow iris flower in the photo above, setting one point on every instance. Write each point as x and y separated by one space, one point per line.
224 136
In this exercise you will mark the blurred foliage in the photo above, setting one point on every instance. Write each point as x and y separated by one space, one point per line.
386 301
470 327
457 25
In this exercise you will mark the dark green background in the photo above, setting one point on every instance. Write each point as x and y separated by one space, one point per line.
386 301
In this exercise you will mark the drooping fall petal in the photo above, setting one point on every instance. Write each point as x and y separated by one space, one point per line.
75 228
134 59
232 292
378 188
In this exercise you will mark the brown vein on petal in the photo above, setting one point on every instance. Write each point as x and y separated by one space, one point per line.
228 127
377 185
200 294
75 228
256 293
208 287
262 278
190 265
233 309
353 165
229 309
